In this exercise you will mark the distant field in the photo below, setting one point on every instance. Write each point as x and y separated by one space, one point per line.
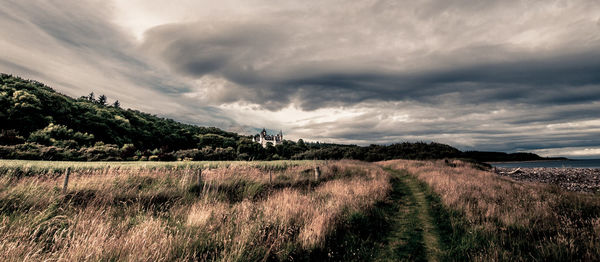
38 166
147 164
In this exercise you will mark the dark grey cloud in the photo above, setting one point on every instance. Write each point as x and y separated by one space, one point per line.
236 51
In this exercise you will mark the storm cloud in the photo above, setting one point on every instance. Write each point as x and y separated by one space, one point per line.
486 75
359 53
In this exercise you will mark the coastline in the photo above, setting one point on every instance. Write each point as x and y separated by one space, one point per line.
577 179
570 163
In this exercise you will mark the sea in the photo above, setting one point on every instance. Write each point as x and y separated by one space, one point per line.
572 163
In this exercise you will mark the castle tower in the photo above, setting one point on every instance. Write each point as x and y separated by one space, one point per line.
263 138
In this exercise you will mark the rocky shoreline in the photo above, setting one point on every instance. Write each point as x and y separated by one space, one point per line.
572 179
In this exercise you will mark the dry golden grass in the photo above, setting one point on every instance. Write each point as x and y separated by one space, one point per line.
483 196
520 220
161 214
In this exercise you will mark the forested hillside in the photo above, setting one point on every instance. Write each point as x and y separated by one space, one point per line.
39 123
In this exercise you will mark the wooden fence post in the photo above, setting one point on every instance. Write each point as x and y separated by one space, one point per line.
270 177
66 183
317 173
199 180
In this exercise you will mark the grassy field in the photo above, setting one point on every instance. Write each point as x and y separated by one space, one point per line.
396 210
484 217
158 211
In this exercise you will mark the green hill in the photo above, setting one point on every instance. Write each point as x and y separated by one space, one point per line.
29 106
35 116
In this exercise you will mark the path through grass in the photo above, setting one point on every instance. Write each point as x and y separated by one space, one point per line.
412 234
480 216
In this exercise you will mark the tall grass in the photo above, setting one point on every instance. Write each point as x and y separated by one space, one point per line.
495 218
240 211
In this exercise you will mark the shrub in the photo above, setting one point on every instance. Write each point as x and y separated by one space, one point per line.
193 154
128 151
101 152
57 135
10 137
167 157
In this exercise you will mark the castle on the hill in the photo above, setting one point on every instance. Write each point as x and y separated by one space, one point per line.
262 138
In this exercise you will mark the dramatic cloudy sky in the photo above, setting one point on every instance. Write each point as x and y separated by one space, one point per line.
488 75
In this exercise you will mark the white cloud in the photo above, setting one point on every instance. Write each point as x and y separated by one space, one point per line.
574 152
